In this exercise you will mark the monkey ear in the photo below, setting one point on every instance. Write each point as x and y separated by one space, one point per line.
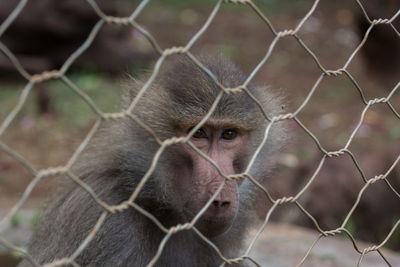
272 103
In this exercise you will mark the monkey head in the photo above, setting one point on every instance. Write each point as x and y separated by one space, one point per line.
175 104
175 155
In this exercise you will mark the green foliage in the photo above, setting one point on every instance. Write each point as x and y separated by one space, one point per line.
274 7
15 221
394 132
34 220
8 96
351 226
73 110
70 109
179 3
268 7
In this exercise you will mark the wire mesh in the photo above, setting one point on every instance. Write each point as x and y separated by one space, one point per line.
130 21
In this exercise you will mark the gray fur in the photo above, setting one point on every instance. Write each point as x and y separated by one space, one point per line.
121 154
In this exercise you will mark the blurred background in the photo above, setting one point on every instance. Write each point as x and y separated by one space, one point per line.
54 120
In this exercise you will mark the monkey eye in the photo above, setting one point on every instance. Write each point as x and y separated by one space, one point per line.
200 133
229 134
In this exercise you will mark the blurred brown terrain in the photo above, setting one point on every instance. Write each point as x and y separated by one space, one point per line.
54 120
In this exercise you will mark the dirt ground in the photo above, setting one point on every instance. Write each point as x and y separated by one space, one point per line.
286 245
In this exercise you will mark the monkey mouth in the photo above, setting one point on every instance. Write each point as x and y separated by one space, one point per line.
212 227
216 221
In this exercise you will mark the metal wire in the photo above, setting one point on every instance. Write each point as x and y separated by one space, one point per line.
130 21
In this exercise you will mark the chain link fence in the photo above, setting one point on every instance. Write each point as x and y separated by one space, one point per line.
62 74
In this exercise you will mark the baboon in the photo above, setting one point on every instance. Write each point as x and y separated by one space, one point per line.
183 180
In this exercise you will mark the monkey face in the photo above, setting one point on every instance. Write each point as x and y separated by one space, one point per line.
223 143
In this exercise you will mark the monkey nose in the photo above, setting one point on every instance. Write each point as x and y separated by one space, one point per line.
221 204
